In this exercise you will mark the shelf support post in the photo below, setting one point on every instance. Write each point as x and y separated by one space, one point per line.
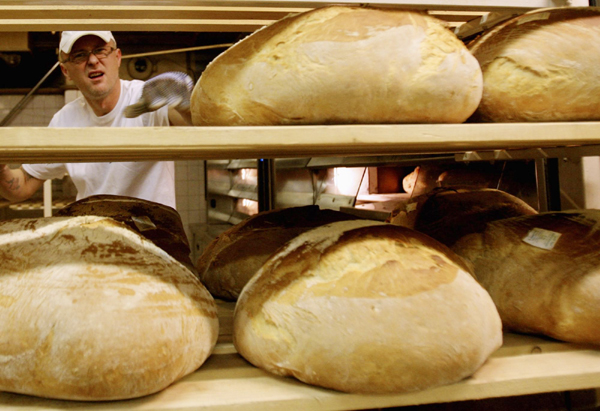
548 185
266 184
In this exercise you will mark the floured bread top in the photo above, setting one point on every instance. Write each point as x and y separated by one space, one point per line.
157 222
341 64
64 232
357 259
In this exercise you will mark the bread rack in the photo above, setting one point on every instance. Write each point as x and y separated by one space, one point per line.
524 365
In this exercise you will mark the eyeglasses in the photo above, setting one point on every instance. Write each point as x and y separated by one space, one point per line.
83 56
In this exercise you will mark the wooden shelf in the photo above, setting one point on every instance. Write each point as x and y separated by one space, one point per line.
42 144
524 365
222 15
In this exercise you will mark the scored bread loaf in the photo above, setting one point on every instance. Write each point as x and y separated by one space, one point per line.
91 310
232 258
157 222
541 66
542 271
341 64
366 307
447 214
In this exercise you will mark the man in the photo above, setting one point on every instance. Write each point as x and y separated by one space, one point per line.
91 60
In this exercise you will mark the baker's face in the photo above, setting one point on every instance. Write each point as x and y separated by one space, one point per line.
96 77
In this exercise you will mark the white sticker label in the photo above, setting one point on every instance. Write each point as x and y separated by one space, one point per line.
538 237
411 207
143 223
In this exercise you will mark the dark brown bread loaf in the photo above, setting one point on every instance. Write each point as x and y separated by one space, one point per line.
449 214
542 271
233 257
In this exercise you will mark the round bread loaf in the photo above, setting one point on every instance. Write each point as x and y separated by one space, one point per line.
427 177
542 271
90 310
366 307
231 259
541 66
341 64
421 180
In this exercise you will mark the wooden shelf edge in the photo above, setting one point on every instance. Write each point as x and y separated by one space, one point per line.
422 4
212 15
42 144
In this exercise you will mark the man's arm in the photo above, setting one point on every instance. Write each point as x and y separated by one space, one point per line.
16 184
180 117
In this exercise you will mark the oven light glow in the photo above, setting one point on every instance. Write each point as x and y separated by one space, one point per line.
345 180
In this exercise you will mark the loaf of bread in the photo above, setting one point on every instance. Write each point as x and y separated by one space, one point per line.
542 271
421 180
341 64
157 222
91 310
541 66
366 307
449 214
231 259
427 177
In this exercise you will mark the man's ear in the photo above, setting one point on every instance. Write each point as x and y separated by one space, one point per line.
64 71
118 51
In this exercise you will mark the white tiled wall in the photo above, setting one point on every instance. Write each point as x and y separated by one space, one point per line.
189 189
189 175
36 113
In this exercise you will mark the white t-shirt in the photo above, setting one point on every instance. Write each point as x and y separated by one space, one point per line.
153 181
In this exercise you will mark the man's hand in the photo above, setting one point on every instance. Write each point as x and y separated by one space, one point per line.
171 89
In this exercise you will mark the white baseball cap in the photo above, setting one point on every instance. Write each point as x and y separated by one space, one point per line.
68 38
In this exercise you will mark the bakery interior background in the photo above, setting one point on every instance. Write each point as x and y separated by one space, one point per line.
26 58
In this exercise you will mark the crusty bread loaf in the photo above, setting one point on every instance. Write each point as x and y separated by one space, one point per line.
91 310
366 307
157 222
541 66
447 214
553 290
341 64
231 259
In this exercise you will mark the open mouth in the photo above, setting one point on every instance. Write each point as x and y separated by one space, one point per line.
95 75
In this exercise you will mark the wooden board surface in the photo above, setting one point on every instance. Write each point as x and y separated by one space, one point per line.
213 15
524 365
92 5
419 4
42 144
